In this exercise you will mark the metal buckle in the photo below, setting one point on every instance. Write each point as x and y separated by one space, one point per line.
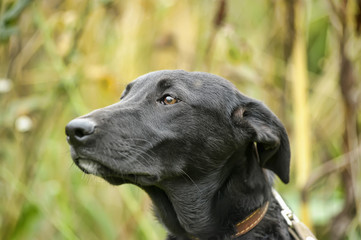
286 211
289 217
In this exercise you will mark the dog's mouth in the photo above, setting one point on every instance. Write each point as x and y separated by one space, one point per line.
90 166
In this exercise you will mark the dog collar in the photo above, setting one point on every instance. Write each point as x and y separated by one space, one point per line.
251 221
248 223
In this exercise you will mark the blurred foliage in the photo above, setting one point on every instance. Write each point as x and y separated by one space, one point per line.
61 59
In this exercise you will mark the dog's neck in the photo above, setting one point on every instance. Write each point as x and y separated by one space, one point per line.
210 206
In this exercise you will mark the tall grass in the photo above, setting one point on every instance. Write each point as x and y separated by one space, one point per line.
62 59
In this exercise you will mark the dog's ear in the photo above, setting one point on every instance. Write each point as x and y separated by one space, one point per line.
259 125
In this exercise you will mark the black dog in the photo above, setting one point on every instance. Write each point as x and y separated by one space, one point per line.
198 147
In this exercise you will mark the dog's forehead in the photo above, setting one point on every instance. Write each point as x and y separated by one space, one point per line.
187 81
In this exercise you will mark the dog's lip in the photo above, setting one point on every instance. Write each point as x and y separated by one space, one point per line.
91 166
88 166
94 167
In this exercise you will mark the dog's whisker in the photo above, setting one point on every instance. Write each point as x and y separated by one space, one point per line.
189 177
126 140
147 158
127 155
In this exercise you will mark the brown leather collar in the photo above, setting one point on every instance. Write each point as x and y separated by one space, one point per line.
251 221
248 223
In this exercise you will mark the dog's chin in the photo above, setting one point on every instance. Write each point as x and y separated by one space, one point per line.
114 178
89 167
139 180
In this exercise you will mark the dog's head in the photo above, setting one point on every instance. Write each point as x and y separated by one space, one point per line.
175 123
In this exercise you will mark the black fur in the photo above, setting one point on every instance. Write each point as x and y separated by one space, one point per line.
202 160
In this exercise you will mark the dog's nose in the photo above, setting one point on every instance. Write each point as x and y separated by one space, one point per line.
78 131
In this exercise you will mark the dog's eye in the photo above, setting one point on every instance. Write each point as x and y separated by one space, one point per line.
168 100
